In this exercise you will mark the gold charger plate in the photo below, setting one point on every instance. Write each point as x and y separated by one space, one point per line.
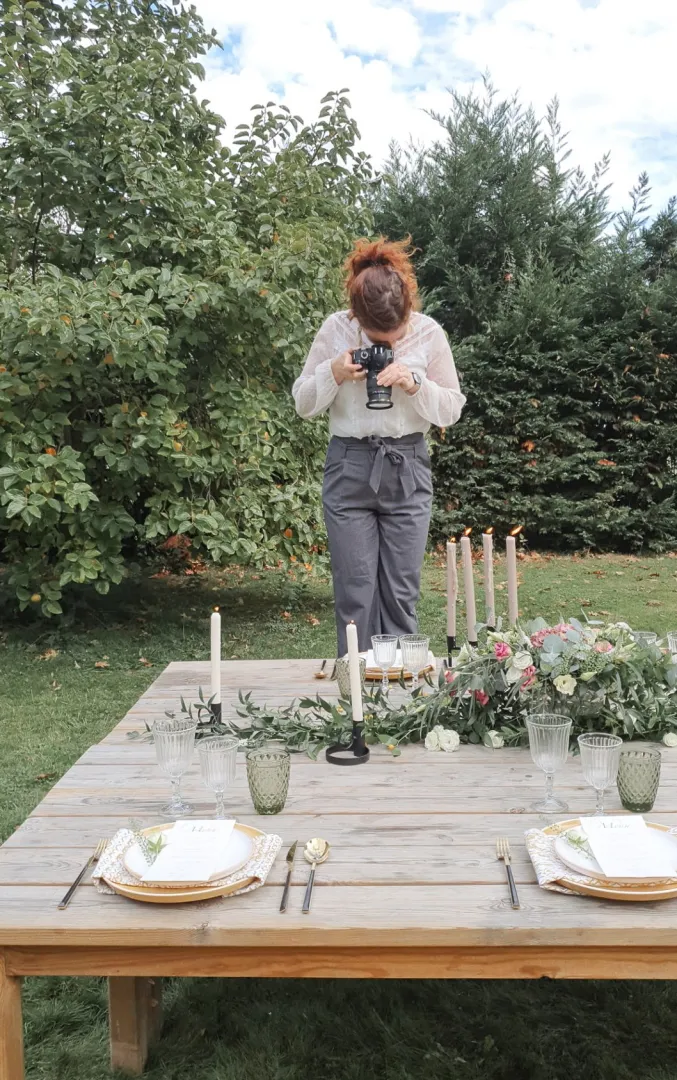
151 894
375 675
609 890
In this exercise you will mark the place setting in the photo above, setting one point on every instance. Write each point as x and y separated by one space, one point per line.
609 856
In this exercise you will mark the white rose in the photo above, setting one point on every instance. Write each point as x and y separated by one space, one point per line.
448 740
566 684
521 660
670 738
432 739
513 675
494 739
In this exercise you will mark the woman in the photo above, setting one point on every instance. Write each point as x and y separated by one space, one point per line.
377 491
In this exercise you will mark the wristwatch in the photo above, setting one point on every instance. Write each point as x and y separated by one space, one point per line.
417 384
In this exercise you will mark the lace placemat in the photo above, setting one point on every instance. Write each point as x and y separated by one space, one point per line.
550 869
112 867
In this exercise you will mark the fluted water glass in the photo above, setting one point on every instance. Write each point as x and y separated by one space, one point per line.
414 655
174 742
600 757
549 745
218 758
385 654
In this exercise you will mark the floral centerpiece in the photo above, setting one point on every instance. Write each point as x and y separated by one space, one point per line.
594 672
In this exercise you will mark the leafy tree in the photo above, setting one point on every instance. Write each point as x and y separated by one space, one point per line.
562 323
157 294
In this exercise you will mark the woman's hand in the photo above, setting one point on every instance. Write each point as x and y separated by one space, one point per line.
397 375
345 370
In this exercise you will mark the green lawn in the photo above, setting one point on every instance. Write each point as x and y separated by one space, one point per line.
54 706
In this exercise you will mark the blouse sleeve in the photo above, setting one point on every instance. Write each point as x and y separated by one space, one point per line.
316 387
439 399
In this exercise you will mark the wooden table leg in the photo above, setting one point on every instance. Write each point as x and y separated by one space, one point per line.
11 1027
135 1014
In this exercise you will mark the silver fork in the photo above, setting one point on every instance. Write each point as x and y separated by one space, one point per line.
94 858
503 852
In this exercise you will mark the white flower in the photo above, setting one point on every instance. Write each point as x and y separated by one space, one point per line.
566 684
586 676
521 660
670 738
449 740
464 653
441 738
513 674
432 739
494 739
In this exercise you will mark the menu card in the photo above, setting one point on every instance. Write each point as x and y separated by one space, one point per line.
192 853
625 848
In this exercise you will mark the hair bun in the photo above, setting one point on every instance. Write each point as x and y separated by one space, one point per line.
380 282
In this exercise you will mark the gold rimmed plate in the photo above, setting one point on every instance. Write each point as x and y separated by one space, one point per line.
237 854
586 884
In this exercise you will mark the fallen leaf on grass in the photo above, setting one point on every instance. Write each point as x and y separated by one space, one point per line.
146 663
654 575
101 664
285 614
619 573
50 654
45 776
585 603
654 603
604 612
313 620
54 685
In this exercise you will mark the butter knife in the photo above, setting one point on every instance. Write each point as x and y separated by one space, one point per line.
290 863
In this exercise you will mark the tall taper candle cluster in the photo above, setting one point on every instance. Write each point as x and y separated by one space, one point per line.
469 584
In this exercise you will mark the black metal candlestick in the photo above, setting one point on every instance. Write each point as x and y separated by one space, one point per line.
355 753
451 645
215 710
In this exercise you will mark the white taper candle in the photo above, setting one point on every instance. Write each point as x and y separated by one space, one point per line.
469 586
489 601
215 657
511 571
354 670
452 587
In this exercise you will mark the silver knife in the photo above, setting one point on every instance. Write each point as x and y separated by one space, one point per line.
290 863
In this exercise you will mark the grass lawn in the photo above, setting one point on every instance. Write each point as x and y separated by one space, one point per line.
54 703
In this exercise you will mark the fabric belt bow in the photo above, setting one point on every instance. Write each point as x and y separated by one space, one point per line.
396 457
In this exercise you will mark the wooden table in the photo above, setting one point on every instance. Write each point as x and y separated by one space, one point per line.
412 888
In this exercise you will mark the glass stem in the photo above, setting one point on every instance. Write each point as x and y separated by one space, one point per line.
549 780
220 804
176 791
415 682
599 809
385 685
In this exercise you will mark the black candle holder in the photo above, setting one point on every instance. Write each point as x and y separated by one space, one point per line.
451 645
356 752
215 710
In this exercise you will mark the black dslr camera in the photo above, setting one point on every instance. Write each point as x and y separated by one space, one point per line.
374 360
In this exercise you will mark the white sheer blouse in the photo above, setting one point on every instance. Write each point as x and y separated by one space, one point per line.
424 350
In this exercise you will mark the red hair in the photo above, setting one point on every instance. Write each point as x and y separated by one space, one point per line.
381 283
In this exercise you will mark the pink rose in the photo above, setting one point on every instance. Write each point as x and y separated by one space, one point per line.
603 646
449 676
502 650
529 678
481 697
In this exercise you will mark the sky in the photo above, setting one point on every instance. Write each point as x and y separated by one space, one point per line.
609 62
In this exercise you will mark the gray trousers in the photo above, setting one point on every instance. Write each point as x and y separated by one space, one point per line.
377 498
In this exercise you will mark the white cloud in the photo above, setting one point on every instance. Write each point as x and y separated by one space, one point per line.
608 62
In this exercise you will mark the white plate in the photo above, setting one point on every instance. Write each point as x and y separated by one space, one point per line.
585 864
236 853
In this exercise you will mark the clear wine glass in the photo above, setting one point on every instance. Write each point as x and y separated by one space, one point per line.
174 742
600 757
672 643
385 652
549 745
218 758
414 655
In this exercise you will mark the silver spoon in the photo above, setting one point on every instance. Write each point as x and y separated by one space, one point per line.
315 852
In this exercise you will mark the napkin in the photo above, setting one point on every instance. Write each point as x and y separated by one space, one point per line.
111 864
548 867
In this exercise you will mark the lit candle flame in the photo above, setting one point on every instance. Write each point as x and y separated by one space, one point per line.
516 531
467 531
488 532
217 609
452 540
